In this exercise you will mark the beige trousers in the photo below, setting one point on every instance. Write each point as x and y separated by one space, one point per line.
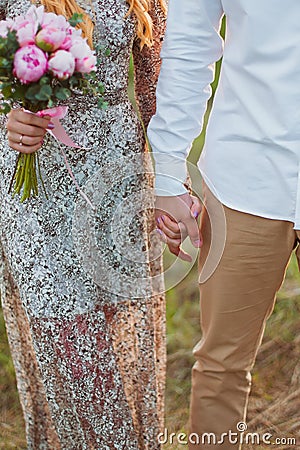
235 301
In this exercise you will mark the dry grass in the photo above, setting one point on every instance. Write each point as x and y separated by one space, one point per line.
12 435
275 401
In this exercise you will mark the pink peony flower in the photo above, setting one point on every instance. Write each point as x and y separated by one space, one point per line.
25 33
3 28
30 64
51 24
85 59
35 15
62 64
26 27
54 21
72 34
50 39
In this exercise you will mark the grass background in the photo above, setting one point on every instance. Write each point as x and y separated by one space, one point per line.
275 400
274 403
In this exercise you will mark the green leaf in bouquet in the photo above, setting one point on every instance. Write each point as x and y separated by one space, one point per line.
102 50
5 108
44 80
6 90
100 89
62 93
3 44
19 91
31 92
5 63
75 19
44 93
101 104
73 82
91 76
12 43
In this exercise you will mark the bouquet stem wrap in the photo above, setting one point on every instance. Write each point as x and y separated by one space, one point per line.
27 166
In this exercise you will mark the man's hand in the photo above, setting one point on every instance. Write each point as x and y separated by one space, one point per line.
176 218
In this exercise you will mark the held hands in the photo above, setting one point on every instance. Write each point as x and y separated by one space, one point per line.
176 218
26 130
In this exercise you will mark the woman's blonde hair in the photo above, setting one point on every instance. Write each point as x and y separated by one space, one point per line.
144 22
138 7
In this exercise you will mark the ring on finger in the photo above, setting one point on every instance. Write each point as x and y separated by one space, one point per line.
21 139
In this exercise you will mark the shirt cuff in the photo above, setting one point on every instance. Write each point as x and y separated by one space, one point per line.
171 173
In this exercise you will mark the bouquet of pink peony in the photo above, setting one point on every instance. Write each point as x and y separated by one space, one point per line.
43 61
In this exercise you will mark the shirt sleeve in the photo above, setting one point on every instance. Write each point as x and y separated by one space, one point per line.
191 47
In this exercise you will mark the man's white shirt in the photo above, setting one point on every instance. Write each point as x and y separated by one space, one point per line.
251 154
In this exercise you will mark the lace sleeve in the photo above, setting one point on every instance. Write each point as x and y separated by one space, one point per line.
147 65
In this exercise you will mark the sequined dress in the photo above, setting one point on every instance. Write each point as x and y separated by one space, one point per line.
85 315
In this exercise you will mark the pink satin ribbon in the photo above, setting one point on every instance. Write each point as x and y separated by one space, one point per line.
60 134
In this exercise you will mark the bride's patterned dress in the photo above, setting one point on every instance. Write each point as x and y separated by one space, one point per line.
88 344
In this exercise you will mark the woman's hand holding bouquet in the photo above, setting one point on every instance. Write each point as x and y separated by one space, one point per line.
43 61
